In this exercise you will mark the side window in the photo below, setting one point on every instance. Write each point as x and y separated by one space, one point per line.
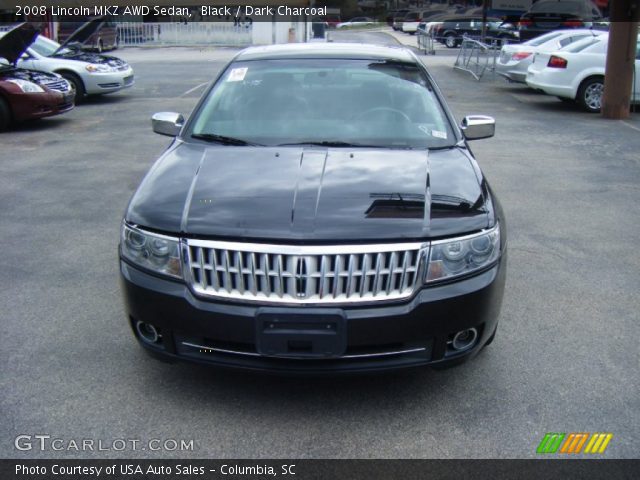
565 41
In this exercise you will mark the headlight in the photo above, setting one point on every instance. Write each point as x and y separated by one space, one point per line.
98 67
459 256
149 250
28 87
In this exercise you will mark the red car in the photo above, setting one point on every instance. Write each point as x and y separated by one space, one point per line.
28 94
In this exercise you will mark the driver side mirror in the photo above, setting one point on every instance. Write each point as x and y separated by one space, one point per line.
167 123
475 127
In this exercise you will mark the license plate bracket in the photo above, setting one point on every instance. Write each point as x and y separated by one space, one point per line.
301 334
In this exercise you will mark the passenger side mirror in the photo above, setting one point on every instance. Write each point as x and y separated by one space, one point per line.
167 123
475 127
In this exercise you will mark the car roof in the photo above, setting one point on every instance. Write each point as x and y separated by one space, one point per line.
326 50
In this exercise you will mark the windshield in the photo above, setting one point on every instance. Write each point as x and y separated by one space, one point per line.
45 47
331 101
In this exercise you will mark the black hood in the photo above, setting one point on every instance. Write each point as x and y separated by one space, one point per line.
82 34
15 42
310 194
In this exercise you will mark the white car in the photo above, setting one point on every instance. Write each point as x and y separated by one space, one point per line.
412 20
89 73
357 22
576 72
514 59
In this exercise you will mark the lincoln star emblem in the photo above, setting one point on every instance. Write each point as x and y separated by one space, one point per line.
301 277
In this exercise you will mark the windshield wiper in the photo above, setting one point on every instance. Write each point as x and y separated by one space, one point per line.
213 137
338 144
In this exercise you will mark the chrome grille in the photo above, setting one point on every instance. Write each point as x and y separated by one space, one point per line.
304 274
59 85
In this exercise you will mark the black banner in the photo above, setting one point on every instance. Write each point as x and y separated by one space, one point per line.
317 469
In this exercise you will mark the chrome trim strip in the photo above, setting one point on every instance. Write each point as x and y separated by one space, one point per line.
361 355
301 250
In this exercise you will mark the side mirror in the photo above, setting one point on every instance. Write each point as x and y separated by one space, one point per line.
167 123
475 127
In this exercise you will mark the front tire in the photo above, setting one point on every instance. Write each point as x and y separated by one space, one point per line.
5 115
590 94
77 84
450 40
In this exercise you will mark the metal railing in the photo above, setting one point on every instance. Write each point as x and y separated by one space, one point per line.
425 42
476 57
179 34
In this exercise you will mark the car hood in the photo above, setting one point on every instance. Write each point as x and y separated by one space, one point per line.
88 57
300 194
16 41
82 34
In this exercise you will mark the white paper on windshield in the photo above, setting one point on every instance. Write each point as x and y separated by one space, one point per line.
237 74
438 134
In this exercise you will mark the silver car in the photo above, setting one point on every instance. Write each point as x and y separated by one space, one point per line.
89 73
515 59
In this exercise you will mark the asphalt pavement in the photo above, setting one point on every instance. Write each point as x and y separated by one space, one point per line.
565 358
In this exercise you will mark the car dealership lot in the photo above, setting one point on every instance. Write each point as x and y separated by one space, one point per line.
565 358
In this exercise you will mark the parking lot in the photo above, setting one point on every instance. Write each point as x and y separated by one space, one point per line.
565 358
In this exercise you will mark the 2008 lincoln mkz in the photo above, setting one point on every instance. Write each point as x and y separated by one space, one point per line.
320 211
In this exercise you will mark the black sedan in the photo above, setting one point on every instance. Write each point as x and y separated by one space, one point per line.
320 211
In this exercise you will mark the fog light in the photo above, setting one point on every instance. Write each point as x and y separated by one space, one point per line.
147 332
464 339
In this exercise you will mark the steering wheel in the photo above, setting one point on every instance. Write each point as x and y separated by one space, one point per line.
379 110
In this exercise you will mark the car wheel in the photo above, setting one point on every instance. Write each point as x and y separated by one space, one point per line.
76 84
450 40
590 94
5 115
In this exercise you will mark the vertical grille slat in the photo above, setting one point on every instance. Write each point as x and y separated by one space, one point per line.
321 275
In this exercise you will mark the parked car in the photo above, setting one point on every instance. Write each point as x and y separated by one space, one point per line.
368 240
28 94
451 31
576 72
547 15
514 59
89 73
104 38
399 18
357 22
413 19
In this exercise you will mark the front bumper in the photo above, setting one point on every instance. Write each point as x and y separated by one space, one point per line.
403 334
97 83
31 106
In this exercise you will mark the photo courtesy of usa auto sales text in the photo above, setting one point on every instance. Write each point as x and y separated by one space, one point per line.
133 469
